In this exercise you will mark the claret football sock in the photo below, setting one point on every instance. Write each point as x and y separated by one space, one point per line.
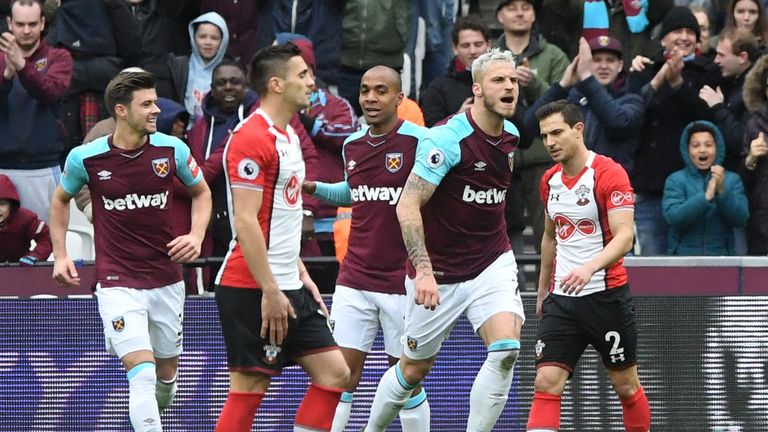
238 412
637 412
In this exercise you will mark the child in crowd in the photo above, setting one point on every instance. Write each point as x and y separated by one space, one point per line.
18 227
703 202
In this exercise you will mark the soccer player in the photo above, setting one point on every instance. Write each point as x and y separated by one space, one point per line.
369 291
139 288
451 214
271 311
583 293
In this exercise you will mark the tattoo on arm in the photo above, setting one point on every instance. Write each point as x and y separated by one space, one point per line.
416 193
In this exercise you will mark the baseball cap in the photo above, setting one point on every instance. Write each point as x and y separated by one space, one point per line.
503 3
605 43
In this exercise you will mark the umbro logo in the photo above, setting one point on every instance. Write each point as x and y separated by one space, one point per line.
480 166
351 165
104 175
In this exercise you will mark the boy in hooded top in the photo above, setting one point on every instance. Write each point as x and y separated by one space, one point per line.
18 227
703 202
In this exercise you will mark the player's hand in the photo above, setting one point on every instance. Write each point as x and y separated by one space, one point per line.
575 281
426 293
65 272
184 248
308 187
639 62
275 310
311 286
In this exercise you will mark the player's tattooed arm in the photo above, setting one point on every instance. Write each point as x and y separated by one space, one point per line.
416 193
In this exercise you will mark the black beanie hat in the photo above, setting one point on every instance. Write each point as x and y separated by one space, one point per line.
680 17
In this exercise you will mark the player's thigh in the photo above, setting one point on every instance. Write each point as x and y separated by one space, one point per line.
559 340
166 314
310 332
240 316
354 319
609 319
392 318
124 318
426 329
496 309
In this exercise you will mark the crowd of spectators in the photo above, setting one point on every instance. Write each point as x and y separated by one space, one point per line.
650 76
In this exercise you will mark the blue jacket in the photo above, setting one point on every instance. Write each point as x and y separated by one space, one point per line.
698 226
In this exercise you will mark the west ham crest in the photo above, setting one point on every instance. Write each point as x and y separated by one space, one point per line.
394 162
118 324
511 160
540 349
413 344
161 167
40 64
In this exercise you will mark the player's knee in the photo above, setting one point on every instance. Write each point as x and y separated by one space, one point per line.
502 354
548 382
414 371
625 388
337 376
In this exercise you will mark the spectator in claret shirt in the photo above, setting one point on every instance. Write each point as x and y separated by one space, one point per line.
35 76
18 227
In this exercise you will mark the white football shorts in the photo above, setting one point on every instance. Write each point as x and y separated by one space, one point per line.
492 291
142 319
356 316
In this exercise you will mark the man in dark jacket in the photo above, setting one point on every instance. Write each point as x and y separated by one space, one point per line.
18 227
594 81
736 52
452 93
35 76
670 87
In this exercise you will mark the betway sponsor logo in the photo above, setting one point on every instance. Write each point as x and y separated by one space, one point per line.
136 201
365 193
490 196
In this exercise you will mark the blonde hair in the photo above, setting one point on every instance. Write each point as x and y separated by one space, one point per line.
493 55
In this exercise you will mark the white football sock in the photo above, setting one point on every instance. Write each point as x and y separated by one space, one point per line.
415 415
491 387
165 392
343 409
142 405
391 395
